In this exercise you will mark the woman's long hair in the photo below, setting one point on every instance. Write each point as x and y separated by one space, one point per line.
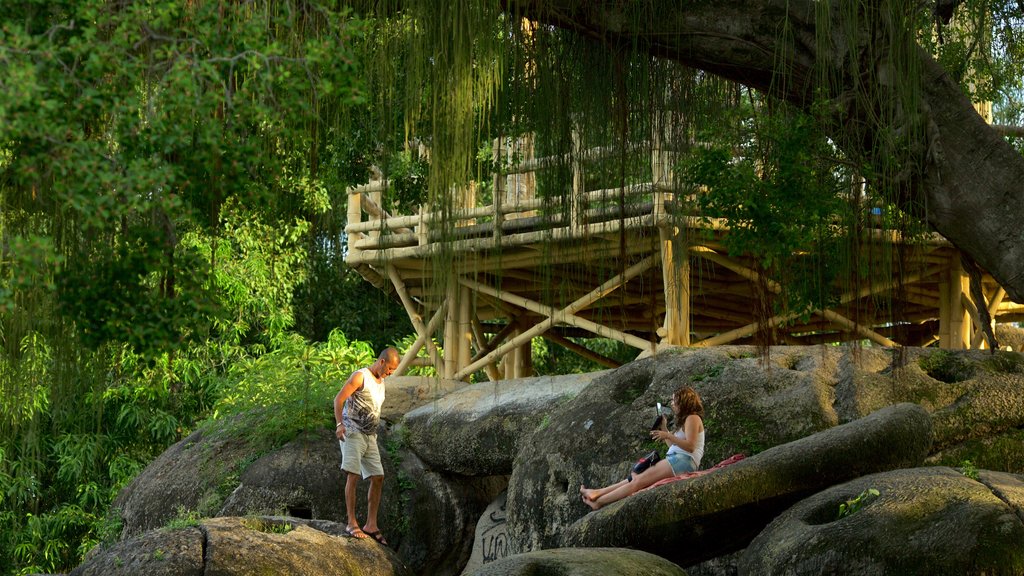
687 402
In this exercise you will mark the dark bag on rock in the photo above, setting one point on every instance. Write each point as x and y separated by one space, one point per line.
644 463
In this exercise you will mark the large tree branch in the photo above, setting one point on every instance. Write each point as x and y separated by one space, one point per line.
958 172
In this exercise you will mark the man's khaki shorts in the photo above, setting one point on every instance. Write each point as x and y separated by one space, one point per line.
359 454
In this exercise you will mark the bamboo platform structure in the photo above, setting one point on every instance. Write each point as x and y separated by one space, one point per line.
622 264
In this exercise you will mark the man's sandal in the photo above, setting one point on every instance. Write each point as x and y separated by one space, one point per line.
356 532
377 536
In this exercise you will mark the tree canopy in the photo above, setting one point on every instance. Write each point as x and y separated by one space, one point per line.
173 182
891 85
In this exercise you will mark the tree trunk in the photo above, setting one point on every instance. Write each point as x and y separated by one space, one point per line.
956 171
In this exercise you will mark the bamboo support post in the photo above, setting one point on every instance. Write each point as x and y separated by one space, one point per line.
355 215
993 306
451 330
954 322
414 316
422 338
578 184
581 351
511 360
499 185
371 203
481 343
566 315
676 280
465 329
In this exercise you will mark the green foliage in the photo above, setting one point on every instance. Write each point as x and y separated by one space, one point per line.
854 504
158 173
545 421
184 519
968 469
165 112
774 181
710 374
259 265
267 526
271 397
548 359
405 343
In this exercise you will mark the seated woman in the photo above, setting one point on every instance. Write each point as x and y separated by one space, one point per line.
685 449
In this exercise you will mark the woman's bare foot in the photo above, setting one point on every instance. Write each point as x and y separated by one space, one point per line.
589 494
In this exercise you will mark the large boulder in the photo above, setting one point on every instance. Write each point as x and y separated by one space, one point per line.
691 521
439 513
581 562
477 430
195 475
301 479
406 393
595 437
220 473
922 521
490 540
231 546
755 402
428 517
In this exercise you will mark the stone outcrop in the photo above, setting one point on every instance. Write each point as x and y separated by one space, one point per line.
230 546
753 403
691 521
300 479
595 437
459 446
490 539
581 562
923 521
439 512
406 393
477 431
196 474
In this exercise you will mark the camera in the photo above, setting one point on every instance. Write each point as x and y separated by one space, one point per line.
659 419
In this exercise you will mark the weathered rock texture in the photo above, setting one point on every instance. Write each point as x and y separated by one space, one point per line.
581 562
406 393
301 479
196 474
439 516
230 546
754 403
923 521
691 521
543 437
477 431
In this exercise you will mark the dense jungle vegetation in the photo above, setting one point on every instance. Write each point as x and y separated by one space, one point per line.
173 182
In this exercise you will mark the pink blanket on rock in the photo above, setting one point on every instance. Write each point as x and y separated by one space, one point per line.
687 475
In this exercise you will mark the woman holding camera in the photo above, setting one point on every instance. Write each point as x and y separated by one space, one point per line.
685 449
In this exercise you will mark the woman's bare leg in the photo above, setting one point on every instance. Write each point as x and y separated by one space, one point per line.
595 493
659 471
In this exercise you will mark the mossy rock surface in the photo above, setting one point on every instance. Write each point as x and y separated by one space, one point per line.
596 436
1003 452
694 520
923 521
195 475
230 546
477 430
581 562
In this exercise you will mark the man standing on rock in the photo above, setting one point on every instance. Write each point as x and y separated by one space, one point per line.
357 412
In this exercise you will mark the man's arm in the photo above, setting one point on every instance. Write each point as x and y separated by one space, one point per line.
352 385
